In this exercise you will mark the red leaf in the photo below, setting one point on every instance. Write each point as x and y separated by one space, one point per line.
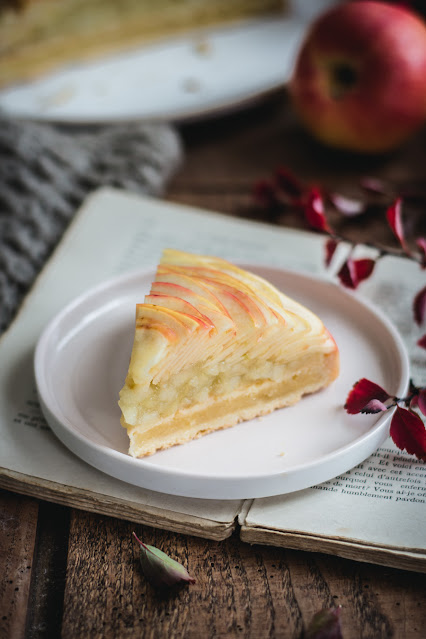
422 342
421 243
353 272
364 268
363 392
419 306
264 194
414 402
314 211
347 274
421 400
289 184
408 432
330 248
393 216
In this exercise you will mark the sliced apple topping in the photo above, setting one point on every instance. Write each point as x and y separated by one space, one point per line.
236 314
181 306
224 268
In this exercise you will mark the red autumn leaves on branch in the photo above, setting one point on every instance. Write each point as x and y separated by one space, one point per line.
407 429
285 190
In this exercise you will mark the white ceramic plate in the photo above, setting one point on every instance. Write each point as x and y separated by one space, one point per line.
81 361
192 76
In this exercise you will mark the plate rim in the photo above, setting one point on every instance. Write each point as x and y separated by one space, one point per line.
63 429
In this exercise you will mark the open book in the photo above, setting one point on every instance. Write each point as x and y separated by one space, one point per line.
374 512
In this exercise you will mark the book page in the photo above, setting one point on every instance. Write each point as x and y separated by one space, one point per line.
381 502
113 233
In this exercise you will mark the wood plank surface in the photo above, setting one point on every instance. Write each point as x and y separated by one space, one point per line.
18 526
241 590
71 574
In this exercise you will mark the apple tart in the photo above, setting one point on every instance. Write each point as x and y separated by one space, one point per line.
215 345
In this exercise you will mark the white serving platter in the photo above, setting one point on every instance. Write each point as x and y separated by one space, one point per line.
193 76
81 361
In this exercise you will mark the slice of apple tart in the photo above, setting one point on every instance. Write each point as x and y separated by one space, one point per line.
215 345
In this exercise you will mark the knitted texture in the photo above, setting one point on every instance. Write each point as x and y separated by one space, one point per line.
45 174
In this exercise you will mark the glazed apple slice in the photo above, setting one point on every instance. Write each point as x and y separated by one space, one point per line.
215 311
215 340
181 306
246 309
169 286
174 276
260 288
248 295
223 268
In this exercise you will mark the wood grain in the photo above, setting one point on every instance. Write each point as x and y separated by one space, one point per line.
18 526
45 603
241 590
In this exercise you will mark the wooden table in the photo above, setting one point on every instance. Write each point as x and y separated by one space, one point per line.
74 574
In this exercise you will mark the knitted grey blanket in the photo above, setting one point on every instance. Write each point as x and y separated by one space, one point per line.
46 172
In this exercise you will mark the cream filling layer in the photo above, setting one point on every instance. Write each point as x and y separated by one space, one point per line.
248 400
145 404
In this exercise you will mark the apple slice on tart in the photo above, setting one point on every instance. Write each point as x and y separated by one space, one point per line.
215 345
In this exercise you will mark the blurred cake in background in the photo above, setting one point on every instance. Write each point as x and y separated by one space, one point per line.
38 36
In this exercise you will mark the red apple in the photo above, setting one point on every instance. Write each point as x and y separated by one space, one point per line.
359 81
